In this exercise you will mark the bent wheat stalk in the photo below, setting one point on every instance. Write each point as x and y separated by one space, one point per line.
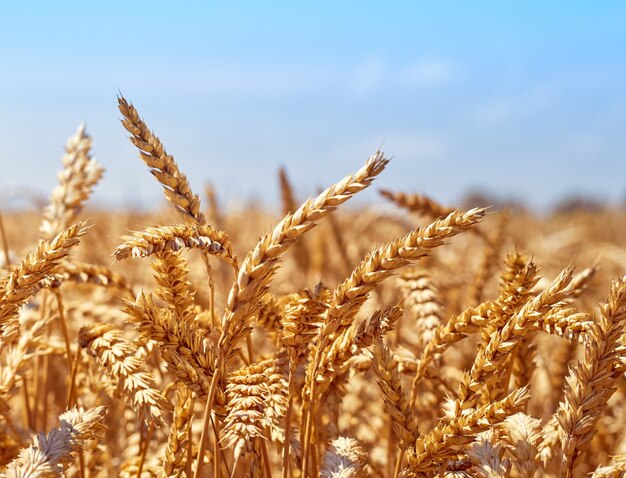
260 265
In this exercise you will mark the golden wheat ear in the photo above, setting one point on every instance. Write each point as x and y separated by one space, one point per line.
119 359
615 468
50 454
386 374
591 383
417 203
34 268
176 461
261 263
77 179
441 443
163 167
164 239
344 458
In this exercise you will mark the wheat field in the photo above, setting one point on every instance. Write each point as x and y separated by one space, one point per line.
402 339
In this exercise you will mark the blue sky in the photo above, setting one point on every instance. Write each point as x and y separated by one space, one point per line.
524 100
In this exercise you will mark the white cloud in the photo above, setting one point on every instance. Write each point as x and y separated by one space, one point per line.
511 106
369 76
405 147
416 147
427 72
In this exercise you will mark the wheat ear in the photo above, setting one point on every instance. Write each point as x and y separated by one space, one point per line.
439 444
189 355
170 272
178 444
85 273
50 454
214 210
615 468
174 238
162 166
79 175
422 304
37 266
247 391
487 455
344 459
119 359
396 403
593 381
523 435
289 205
417 203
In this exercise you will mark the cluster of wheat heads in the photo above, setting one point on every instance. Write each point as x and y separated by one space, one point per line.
373 348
